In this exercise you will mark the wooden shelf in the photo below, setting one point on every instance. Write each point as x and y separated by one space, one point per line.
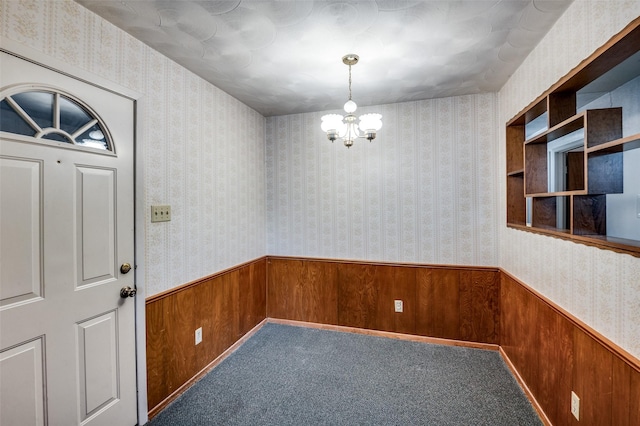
586 166
568 126
557 194
617 145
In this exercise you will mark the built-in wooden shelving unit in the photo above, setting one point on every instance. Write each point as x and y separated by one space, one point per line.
564 158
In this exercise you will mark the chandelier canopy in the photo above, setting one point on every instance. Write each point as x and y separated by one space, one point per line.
338 127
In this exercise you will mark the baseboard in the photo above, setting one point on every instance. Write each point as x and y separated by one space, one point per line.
525 388
175 394
387 334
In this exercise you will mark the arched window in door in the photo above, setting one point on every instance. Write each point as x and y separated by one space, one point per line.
52 115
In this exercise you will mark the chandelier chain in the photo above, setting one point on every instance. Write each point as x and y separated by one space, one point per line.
349 82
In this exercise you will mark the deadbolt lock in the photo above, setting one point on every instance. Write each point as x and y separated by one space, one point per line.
125 268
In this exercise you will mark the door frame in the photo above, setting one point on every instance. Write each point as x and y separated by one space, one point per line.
39 58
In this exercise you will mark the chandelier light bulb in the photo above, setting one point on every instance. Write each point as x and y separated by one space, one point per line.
370 122
350 107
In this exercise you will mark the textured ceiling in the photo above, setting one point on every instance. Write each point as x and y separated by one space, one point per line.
284 57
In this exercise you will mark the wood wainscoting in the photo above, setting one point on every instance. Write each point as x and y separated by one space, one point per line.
226 305
554 354
551 352
451 302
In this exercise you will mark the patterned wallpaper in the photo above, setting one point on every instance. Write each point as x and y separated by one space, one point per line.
203 149
424 191
429 189
600 287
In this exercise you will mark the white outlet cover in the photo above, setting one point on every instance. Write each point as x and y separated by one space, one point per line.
398 305
575 405
199 335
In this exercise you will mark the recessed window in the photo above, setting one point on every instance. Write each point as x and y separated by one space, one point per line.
53 116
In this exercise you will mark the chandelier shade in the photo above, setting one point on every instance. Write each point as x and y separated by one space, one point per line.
345 127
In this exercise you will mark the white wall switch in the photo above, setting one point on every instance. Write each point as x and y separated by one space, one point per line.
199 335
160 213
397 304
575 405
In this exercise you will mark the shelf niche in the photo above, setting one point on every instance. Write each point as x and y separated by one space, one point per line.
567 151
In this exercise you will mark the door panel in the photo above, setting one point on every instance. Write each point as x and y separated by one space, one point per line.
98 365
96 223
66 223
22 384
20 186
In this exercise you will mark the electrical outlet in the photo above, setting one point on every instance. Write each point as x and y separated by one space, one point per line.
160 213
199 335
397 304
575 405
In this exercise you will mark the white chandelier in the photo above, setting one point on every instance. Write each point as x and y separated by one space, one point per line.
338 127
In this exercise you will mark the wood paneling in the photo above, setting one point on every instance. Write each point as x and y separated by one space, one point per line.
535 177
561 106
302 290
517 309
555 364
357 295
435 303
543 213
555 354
551 351
479 306
590 214
438 297
516 202
592 379
253 300
634 398
515 151
226 306
621 397
396 283
157 352
179 328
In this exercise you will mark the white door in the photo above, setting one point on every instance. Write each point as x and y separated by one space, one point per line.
67 350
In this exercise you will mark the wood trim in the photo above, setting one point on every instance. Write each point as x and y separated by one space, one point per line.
525 388
224 355
186 286
384 263
387 334
602 242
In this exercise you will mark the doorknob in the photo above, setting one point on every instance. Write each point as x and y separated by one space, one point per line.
125 268
127 292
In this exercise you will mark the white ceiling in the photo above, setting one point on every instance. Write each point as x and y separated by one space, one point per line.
284 57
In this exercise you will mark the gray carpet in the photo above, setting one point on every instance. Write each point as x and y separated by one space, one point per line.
287 375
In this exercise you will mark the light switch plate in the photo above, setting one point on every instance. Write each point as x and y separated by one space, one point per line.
160 213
